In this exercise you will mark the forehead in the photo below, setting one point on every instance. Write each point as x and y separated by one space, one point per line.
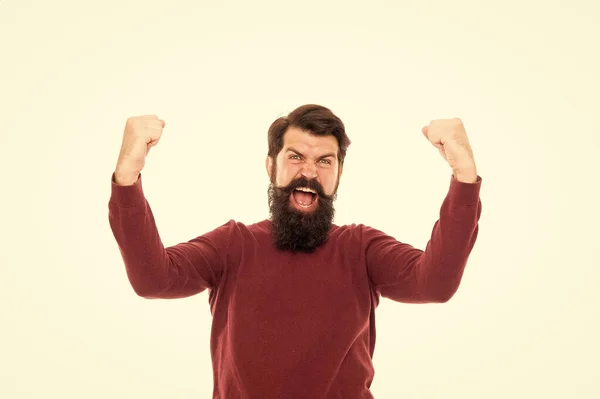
308 143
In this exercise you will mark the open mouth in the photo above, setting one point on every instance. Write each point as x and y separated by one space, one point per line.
304 198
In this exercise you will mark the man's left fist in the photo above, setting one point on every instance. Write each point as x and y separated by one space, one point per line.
450 138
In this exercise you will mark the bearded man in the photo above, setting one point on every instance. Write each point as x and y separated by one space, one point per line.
293 297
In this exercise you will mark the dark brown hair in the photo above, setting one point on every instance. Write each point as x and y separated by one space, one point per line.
313 118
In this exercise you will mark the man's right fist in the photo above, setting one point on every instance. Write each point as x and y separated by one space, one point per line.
140 135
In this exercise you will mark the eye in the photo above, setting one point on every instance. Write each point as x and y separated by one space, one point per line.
326 161
294 156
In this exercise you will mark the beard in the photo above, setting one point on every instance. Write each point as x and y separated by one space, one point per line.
295 230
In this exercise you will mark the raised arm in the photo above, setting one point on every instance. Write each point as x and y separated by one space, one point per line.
155 271
404 273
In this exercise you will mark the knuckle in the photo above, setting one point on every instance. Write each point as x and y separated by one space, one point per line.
133 120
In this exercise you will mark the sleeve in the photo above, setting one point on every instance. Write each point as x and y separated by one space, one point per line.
154 271
400 272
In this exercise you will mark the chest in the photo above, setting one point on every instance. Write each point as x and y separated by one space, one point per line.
301 292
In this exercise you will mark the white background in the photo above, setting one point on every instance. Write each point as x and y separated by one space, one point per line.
522 75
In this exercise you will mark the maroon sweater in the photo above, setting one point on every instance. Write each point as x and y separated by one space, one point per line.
294 325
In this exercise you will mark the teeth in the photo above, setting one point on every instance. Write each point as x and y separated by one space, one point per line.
306 189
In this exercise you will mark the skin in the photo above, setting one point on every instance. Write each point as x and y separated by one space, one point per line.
450 138
308 155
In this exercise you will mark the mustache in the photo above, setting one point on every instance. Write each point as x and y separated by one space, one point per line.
304 182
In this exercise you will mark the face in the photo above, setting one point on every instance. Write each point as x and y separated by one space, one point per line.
307 155
304 181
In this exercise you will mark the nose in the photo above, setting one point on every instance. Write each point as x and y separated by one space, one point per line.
309 171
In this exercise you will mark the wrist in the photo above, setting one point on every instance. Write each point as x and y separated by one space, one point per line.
466 176
125 177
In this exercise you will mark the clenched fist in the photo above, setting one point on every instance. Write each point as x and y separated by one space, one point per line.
140 135
450 138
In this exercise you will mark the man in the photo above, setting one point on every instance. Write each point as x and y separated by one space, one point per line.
293 297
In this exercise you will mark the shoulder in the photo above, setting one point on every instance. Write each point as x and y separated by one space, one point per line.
354 229
351 234
358 234
234 230
233 238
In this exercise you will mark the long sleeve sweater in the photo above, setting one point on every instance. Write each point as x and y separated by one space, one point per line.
294 325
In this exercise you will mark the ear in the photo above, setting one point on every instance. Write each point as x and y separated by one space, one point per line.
269 166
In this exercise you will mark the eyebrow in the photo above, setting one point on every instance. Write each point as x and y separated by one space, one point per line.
330 154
